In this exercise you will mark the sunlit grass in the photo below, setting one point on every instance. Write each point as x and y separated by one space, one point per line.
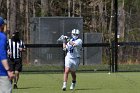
86 83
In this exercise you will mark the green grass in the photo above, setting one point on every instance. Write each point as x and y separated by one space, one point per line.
86 83
98 67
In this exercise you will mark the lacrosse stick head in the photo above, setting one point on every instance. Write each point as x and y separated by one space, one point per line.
62 38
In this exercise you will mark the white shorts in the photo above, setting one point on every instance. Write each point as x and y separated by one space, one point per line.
5 85
72 63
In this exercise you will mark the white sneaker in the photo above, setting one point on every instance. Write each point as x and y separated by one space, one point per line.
72 86
64 86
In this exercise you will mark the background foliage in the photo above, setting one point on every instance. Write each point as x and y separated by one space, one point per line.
98 16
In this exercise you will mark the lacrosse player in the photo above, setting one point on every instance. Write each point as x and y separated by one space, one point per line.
72 58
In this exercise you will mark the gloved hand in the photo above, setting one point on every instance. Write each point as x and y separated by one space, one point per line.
65 39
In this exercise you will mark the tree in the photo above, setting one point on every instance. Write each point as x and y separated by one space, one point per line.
8 16
12 16
44 7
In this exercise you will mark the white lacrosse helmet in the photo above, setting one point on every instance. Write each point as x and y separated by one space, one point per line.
75 32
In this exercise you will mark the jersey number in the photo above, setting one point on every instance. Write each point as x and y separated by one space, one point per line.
71 50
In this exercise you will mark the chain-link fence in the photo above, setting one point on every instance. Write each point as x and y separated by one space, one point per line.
129 48
46 54
128 58
47 30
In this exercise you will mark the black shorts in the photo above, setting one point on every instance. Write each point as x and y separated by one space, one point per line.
15 64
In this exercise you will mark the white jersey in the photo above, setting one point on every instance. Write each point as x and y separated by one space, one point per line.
74 51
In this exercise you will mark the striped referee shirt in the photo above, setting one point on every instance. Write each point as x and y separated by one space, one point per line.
13 47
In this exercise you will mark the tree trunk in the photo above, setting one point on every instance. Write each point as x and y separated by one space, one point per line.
1 7
0 2
101 18
111 19
26 30
34 11
8 16
44 7
26 21
21 26
21 6
121 20
73 8
12 16
69 2
80 8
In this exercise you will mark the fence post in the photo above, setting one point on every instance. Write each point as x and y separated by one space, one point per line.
112 57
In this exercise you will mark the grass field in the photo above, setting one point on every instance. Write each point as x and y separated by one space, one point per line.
86 83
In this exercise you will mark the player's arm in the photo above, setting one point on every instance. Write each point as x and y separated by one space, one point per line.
3 57
5 64
72 43
22 46
7 68
8 49
75 43
65 43
3 53
64 46
8 52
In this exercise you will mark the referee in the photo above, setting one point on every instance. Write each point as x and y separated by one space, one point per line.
15 48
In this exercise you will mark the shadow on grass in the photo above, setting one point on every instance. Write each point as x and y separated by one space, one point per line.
28 87
87 89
